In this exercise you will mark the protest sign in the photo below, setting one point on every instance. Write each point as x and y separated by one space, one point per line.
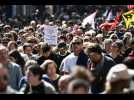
51 34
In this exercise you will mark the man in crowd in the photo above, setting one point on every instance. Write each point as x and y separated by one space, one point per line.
99 65
5 88
14 70
77 57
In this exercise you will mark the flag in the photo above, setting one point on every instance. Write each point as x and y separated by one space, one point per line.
110 16
105 13
90 19
128 18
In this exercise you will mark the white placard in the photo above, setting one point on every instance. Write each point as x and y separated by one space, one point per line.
51 34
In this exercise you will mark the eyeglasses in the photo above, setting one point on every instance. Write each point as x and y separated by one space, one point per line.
4 77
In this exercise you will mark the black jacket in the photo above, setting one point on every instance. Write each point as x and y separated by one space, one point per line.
100 73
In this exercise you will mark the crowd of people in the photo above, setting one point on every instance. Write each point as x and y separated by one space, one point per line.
85 60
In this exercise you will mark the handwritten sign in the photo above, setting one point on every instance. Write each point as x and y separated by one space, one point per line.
51 34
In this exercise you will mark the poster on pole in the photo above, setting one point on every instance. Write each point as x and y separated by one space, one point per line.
51 34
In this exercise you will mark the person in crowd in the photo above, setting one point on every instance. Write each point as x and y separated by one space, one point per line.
116 51
114 37
16 57
130 48
126 39
129 62
62 53
27 48
35 84
78 86
12 45
99 65
15 72
46 53
117 80
49 67
77 57
7 28
63 84
107 46
23 80
5 88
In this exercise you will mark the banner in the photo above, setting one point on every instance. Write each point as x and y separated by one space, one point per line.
90 19
51 34
128 18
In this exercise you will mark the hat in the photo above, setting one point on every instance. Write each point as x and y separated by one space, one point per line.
118 72
62 45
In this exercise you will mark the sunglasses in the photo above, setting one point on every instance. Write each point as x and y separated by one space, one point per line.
4 77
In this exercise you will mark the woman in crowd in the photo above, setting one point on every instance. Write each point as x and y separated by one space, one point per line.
12 45
50 75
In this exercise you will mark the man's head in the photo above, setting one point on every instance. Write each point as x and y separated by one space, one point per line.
63 83
62 47
94 51
3 78
77 45
34 75
78 86
107 45
46 50
3 54
27 48
118 78
117 46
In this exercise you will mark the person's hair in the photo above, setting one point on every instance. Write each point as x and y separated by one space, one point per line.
14 35
36 70
119 44
107 41
129 62
18 58
29 63
10 43
76 40
113 35
81 72
45 65
5 40
117 87
8 35
32 40
26 45
45 48
77 83
94 47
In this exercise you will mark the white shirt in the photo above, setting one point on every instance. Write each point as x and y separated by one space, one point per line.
68 63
